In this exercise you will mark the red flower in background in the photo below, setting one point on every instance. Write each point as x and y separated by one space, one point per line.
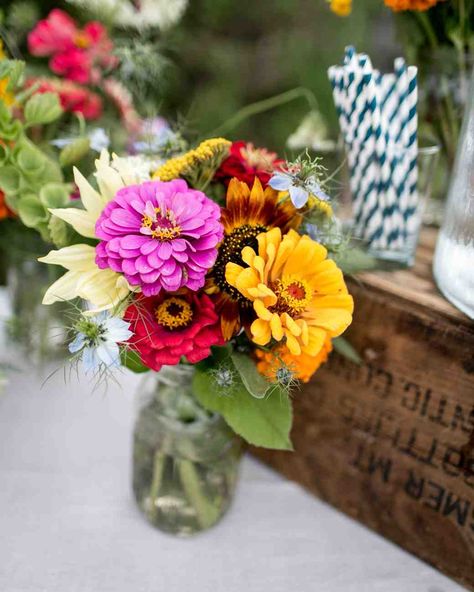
167 327
77 54
73 98
245 162
5 211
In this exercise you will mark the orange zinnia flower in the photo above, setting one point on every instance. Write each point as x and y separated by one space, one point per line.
399 5
248 213
302 367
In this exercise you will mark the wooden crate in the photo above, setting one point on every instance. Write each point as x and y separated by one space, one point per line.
391 442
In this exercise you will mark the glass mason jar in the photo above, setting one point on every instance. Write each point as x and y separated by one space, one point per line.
454 256
185 459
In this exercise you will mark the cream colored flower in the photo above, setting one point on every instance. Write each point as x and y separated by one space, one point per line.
104 288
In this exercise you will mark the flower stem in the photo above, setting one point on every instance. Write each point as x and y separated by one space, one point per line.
158 470
206 512
262 106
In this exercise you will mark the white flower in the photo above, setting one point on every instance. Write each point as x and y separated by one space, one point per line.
312 133
98 139
299 189
97 340
140 15
104 288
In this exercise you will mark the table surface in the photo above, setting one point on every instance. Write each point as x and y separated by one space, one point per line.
68 522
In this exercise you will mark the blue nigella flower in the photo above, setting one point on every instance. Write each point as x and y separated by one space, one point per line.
97 340
299 189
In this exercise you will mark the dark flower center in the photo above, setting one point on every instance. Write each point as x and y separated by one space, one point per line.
230 251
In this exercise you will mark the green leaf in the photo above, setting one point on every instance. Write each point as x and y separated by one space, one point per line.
74 152
253 381
355 260
343 347
13 70
42 108
55 195
262 422
9 179
32 211
132 361
30 160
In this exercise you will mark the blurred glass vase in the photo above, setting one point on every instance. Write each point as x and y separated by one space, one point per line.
454 256
185 460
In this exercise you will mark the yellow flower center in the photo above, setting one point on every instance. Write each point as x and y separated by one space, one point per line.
163 227
294 295
82 40
174 313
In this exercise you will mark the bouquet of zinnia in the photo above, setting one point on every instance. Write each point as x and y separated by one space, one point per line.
218 261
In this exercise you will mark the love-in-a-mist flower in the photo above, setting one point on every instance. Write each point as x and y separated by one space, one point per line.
97 340
168 327
300 188
160 235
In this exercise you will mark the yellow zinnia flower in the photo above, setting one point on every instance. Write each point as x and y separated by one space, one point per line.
302 367
103 288
298 294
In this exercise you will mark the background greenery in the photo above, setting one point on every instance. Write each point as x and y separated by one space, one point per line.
229 54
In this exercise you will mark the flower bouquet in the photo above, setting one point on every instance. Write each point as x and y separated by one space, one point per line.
213 275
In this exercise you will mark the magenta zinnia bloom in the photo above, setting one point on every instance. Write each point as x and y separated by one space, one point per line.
160 235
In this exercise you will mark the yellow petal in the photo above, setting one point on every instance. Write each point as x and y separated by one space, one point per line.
260 330
292 344
262 311
83 222
76 257
334 320
316 340
247 279
232 271
291 325
275 326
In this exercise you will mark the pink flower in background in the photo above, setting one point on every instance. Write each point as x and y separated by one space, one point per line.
73 98
123 101
77 54
160 235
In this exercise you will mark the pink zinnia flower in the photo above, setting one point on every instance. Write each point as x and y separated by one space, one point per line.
73 98
160 235
167 327
77 54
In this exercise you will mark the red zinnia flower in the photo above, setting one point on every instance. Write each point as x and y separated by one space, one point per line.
73 97
245 162
167 327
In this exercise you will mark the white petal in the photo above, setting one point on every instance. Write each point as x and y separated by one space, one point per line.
280 182
109 354
76 257
90 359
299 196
83 222
63 289
92 200
77 344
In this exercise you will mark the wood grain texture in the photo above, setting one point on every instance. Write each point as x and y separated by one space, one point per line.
391 442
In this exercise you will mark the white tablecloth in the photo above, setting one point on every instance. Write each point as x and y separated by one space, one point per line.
68 522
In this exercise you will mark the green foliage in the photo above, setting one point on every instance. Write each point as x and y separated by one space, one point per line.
74 152
354 260
132 361
261 420
343 347
42 108
31 179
